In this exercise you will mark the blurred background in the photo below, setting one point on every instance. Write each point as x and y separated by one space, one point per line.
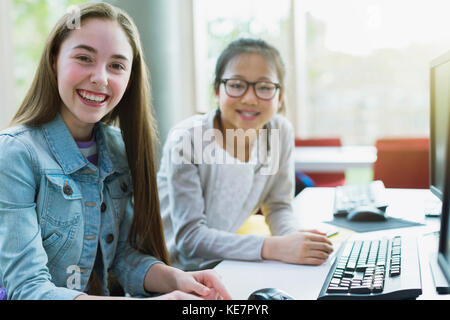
357 70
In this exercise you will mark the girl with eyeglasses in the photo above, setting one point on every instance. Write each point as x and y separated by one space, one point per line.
79 208
215 170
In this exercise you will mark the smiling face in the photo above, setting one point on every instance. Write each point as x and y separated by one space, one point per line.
248 111
93 68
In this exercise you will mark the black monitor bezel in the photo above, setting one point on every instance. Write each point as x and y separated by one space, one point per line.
442 259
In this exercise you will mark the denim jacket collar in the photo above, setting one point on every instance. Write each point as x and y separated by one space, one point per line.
66 151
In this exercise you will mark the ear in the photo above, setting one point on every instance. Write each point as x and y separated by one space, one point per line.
54 62
216 95
281 98
54 66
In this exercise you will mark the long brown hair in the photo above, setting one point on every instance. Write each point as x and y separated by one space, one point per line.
133 114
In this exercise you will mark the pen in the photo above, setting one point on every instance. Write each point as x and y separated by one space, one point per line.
332 233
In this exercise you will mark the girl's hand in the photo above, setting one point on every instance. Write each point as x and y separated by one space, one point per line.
179 284
205 284
176 295
303 247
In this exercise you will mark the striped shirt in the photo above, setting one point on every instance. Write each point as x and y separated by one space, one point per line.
89 150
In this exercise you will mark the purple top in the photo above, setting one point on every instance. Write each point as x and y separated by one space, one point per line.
89 150
2 294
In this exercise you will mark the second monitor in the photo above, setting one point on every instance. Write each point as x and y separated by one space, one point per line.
439 115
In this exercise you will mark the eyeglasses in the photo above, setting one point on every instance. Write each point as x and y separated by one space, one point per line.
264 90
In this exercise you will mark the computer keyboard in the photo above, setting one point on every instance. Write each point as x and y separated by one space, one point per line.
382 268
348 197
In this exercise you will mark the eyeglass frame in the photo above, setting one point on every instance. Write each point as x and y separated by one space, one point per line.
251 84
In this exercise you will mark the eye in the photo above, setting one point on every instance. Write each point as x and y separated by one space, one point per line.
118 66
84 58
265 87
236 84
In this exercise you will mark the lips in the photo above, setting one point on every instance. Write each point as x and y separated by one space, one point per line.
92 98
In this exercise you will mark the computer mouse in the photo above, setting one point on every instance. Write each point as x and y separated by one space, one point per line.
366 213
270 294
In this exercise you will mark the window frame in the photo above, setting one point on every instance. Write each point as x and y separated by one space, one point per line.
7 87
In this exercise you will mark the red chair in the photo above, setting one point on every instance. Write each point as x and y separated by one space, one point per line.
323 179
403 162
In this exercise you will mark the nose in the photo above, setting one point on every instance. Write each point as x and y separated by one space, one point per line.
250 96
99 76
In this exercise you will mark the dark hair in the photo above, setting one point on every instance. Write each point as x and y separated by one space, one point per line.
249 45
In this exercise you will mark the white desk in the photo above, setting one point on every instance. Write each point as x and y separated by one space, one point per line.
314 206
334 159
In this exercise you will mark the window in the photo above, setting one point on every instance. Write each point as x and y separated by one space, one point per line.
220 22
6 74
32 22
359 69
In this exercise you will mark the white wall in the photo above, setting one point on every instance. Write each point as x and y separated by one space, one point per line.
7 80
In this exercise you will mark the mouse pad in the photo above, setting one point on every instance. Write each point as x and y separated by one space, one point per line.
368 226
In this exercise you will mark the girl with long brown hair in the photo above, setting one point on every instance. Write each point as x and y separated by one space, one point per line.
78 197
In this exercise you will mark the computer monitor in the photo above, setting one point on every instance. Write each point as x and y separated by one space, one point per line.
439 120
444 237
440 165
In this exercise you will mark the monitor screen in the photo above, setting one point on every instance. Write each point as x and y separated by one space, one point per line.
439 115
440 152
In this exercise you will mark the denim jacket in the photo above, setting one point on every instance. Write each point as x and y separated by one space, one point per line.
57 209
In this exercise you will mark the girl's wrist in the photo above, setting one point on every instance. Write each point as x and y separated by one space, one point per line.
161 278
270 248
175 276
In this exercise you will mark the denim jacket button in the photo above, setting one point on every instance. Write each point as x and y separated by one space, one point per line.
67 190
124 187
103 207
109 238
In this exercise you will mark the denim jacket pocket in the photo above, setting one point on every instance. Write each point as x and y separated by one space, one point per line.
120 190
52 239
61 216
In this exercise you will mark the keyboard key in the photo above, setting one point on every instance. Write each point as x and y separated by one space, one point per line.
377 289
361 289
337 290
356 283
395 272
335 281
